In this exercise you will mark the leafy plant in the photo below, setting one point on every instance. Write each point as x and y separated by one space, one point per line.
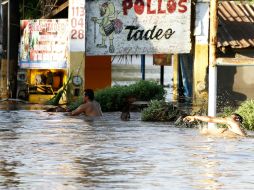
56 98
29 9
246 110
158 110
114 98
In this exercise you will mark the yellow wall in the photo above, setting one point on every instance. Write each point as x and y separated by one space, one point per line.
200 74
98 72
76 67
175 78
3 79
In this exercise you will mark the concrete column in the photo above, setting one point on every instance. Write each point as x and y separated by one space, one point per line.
201 54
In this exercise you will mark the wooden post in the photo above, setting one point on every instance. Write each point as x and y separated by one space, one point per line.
212 60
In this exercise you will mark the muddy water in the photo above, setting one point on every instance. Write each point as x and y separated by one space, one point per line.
39 150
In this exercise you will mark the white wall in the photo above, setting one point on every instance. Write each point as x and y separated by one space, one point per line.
127 70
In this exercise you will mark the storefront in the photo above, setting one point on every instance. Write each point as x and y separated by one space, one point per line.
42 59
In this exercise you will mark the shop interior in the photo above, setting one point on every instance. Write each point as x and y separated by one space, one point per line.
37 83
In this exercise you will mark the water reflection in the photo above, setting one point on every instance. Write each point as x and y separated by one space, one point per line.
52 151
9 178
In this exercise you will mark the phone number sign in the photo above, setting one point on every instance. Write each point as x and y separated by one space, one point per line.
77 25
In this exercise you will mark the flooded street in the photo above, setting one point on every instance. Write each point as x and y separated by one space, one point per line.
40 150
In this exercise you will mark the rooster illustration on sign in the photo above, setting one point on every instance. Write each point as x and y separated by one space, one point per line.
109 25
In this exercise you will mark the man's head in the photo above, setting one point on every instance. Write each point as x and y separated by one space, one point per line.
237 117
88 95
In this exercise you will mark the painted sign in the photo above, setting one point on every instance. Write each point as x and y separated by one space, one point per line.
77 25
138 27
162 59
44 44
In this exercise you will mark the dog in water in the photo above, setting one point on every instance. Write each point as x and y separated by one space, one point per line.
125 115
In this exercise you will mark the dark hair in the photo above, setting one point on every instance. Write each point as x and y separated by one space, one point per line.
89 93
238 117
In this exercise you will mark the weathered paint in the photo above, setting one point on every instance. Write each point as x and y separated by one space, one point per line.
235 61
3 79
162 59
200 69
200 72
138 27
98 72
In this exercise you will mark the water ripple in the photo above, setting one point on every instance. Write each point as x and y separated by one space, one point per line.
39 150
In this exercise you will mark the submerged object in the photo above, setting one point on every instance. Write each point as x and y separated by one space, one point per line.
56 109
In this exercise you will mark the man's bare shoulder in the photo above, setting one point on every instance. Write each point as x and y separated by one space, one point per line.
82 106
211 130
218 132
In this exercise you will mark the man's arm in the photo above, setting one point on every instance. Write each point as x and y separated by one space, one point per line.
207 119
79 110
232 125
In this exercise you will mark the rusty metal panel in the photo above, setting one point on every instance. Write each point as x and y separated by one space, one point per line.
138 27
236 25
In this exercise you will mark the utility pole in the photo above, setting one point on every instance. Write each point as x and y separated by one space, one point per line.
212 91
8 49
13 31
143 66
1 32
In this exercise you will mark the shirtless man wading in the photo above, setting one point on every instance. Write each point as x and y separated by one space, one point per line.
233 123
90 106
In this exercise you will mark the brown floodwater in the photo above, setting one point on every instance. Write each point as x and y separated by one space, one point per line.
40 150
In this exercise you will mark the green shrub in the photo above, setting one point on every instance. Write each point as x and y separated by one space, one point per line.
147 90
246 110
159 111
114 98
